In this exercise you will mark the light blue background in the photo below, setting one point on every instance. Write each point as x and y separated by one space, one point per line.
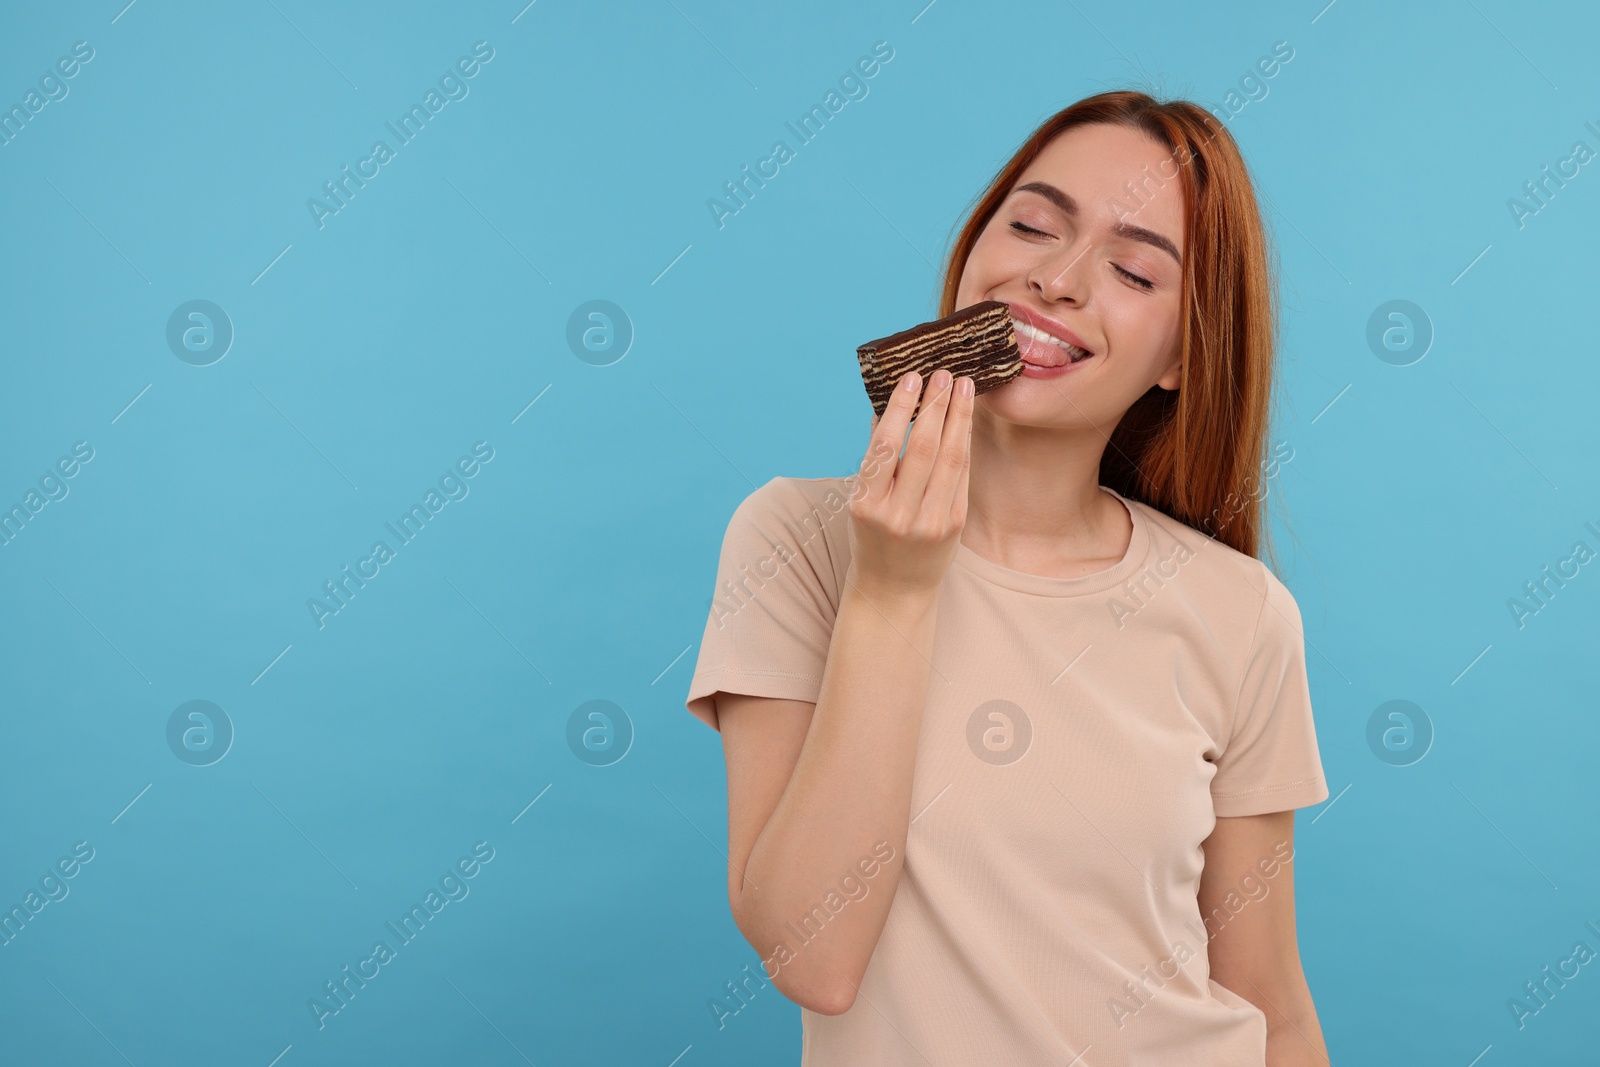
426 315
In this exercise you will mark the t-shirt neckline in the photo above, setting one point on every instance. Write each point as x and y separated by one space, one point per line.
1046 585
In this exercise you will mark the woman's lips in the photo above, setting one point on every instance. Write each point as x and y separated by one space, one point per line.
1046 330
1040 355
1033 370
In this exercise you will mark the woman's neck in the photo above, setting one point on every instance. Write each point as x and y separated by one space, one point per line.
1034 503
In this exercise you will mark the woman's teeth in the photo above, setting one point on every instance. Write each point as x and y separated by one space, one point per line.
1074 353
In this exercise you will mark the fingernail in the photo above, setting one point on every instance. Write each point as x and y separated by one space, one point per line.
966 386
911 382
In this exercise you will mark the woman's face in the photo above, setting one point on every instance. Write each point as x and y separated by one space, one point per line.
1079 244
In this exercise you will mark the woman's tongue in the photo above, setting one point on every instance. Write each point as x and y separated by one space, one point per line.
1041 353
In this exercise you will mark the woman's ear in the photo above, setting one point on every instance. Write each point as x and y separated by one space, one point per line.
1172 377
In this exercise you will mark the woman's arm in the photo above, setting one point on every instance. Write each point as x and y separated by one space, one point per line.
818 794
1249 917
812 789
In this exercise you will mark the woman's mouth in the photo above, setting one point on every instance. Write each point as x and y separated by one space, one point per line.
1044 355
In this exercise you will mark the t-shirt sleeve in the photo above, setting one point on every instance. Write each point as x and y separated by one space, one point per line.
1271 761
774 603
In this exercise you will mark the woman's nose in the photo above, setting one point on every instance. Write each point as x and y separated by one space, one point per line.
1060 276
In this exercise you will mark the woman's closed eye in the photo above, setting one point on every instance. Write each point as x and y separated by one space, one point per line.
1022 227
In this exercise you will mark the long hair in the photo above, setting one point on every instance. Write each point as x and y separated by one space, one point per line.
1197 454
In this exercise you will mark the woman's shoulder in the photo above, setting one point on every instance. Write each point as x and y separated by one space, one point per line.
1204 560
795 495
806 517
788 500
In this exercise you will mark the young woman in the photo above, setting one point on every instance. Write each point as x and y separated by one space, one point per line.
1015 722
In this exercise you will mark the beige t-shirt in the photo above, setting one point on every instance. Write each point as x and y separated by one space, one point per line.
1080 737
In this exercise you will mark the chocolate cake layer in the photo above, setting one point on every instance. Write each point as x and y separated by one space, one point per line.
977 341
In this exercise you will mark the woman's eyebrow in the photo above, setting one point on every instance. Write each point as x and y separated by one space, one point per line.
1069 207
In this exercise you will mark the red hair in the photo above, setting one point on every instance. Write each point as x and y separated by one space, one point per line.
1197 453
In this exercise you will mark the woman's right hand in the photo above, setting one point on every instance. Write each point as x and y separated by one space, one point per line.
906 512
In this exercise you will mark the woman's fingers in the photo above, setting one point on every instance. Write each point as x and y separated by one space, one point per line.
878 466
958 505
916 466
955 445
902 533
